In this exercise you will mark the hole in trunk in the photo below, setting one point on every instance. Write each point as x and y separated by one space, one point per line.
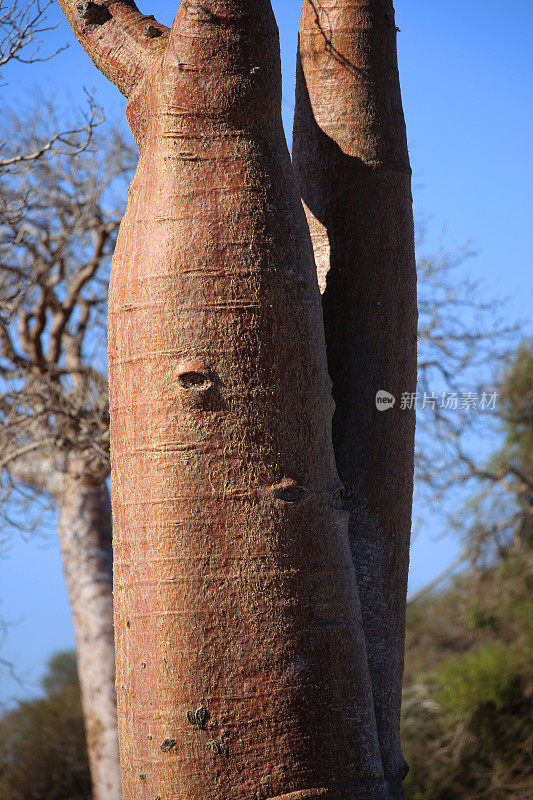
202 715
168 744
93 13
289 492
194 381
151 32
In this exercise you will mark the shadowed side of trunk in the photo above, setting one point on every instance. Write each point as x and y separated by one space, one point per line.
84 530
352 169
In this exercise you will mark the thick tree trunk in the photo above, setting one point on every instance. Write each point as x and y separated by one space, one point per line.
241 669
84 529
352 168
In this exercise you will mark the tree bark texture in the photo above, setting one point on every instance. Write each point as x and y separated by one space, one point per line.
84 529
241 667
352 168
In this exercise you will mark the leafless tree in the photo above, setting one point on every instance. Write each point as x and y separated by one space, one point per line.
22 24
22 27
59 216
465 346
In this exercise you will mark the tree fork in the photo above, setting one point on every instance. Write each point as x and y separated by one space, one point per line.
352 168
120 40
241 665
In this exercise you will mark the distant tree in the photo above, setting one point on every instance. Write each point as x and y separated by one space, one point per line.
515 458
43 755
58 222
464 345
467 728
498 518
43 272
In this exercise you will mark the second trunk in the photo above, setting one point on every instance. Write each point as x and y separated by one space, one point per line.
352 168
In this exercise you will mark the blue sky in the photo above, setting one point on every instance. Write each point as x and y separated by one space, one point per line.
466 75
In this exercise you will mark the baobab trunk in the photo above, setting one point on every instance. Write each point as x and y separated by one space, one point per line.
241 668
352 168
84 530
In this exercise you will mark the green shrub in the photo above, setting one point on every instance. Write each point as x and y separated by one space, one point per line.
42 742
486 676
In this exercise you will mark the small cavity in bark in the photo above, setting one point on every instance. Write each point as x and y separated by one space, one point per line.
194 381
151 32
93 13
191 716
289 492
168 744
220 749
202 715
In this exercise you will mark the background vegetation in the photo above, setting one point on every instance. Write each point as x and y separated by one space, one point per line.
42 743
468 688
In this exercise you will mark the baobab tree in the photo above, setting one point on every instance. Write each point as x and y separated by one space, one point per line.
58 224
241 660
352 168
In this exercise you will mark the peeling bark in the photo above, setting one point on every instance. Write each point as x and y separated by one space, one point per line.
352 168
84 530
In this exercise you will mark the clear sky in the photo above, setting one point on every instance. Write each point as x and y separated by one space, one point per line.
466 72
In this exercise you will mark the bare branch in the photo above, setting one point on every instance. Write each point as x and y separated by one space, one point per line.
21 451
57 231
20 29
65 142
446 573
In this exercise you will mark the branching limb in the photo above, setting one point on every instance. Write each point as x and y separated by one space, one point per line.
58 224
20 29
120 40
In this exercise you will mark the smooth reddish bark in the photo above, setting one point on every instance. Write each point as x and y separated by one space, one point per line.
352 167
241 665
